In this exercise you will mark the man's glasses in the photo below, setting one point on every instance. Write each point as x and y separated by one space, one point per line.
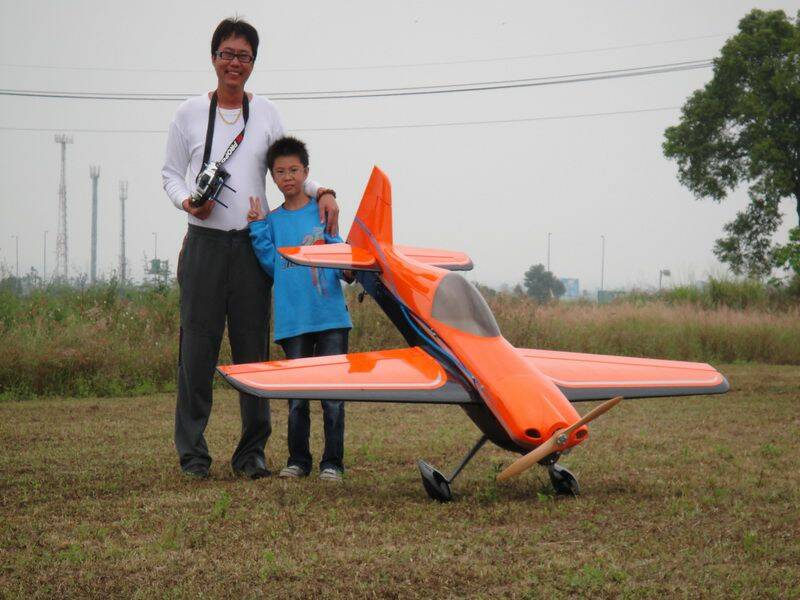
243 58
292 172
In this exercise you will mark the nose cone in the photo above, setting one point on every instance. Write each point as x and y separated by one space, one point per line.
532 411
574 438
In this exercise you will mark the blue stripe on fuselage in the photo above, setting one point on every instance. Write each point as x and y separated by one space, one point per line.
407 312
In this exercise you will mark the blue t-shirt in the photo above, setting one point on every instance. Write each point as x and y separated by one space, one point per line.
307 299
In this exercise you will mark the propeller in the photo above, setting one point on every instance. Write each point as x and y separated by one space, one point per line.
556 441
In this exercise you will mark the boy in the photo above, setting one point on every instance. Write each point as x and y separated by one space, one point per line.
311 318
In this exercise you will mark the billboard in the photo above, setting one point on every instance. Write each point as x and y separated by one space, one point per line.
572 287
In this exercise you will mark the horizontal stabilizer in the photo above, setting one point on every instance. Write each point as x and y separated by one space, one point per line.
331 256
403 375
445 259
598 377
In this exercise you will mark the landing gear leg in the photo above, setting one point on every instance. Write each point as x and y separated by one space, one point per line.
436 484
563 481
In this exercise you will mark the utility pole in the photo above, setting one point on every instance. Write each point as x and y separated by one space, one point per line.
94 173
123 195
548 250
62 255
155 250
44 258
16 238
602 263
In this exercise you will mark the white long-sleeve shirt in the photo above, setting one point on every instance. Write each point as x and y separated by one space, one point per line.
247 165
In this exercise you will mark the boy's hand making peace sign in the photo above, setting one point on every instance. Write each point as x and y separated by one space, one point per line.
256 213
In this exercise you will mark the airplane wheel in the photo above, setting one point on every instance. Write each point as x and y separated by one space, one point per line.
563 481
435 483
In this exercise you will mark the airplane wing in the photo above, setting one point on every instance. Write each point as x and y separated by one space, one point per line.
403 375
583 377
331 256
345 256
446 259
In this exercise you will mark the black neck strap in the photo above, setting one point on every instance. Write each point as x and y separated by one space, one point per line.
212 117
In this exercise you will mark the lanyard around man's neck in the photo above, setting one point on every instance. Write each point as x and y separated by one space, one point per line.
212 117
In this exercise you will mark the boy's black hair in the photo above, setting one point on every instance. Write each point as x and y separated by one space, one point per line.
234 27
287 146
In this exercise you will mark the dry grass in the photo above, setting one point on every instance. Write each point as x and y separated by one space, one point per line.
97 342
654 330
692 497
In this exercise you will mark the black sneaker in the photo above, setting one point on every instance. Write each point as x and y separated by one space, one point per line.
253 470
196 472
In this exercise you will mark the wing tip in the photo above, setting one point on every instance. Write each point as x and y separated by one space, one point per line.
575 394
468 266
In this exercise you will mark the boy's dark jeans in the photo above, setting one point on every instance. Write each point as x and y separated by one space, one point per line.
220 279
321 343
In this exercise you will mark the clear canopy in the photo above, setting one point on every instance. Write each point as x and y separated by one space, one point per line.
458 304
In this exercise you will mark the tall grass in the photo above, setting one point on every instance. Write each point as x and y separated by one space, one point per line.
107 341
730 293
655 329
100 340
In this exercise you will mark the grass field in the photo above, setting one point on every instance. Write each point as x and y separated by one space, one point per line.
103 341
692 497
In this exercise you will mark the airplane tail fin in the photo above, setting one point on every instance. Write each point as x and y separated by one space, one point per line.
373 222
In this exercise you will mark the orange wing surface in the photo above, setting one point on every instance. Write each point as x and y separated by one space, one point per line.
403 375
445 259
331 256
597 377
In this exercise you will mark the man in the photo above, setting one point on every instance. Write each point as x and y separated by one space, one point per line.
219 276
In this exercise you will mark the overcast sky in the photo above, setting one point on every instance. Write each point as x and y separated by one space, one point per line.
493 190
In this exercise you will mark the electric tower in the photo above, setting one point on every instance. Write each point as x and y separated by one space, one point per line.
94 173
62 256
44 258
123 195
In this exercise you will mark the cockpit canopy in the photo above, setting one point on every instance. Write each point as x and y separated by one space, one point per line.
458 304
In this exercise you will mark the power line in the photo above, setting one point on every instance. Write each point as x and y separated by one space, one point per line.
389 92
495 121
382 127
547 80
77 130
375 67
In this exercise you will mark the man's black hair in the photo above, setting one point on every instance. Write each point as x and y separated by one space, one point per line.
287 146
234 27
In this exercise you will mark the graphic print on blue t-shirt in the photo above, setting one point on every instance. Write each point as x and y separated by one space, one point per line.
307 299
315 237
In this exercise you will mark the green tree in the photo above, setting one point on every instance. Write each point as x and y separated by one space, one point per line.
744 127
542 284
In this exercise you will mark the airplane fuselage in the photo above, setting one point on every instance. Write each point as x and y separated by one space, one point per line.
452 314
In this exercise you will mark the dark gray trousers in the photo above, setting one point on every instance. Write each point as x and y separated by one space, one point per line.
220 279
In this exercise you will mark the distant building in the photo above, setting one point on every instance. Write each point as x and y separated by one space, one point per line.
606 296
572 287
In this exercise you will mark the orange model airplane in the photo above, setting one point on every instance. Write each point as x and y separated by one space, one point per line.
520 399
